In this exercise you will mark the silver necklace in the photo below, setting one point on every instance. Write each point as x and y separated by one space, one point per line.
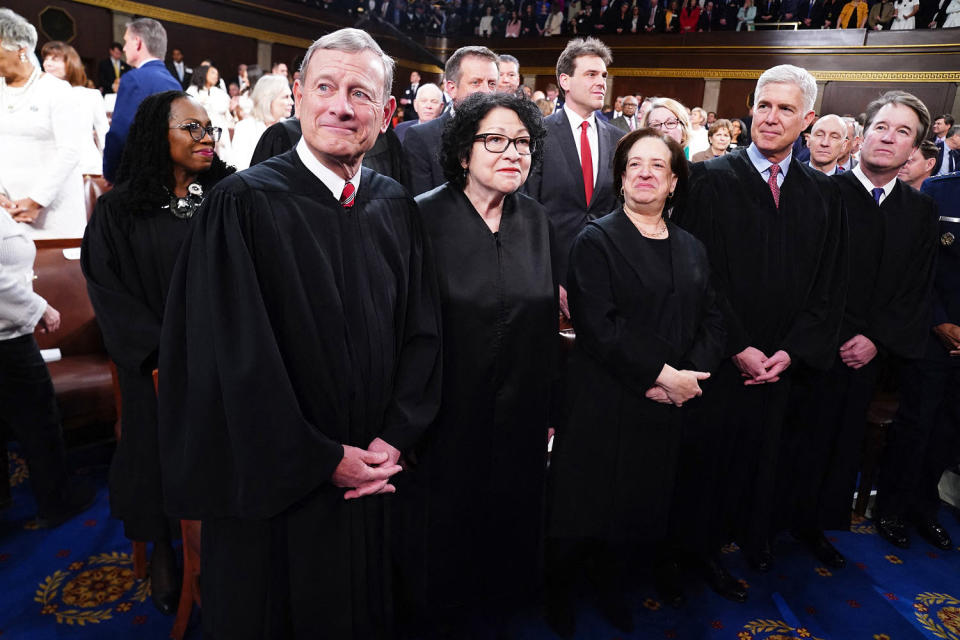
184 208
12 106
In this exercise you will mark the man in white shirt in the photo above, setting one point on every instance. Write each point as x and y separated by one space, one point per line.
828 141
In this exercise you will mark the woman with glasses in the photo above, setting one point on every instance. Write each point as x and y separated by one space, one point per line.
476 494
129 250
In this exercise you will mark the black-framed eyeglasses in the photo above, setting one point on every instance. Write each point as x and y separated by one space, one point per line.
498 143
197 131
669 125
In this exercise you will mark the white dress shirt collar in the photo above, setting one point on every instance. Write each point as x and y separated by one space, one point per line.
593 135
329 179
869 186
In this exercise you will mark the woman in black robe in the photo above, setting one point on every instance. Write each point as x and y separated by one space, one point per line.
129 250
648 332
476 501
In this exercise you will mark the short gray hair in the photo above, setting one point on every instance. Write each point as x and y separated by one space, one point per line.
153 35
506 57
351 40
268 88
789 74
15 32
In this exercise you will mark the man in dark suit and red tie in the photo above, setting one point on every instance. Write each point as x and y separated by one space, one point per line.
575 180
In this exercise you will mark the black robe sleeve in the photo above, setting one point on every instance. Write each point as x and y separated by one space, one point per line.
279 138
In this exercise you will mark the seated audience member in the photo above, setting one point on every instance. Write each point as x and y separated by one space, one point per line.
304 240
271 102
719 137
828 141
892 248
768 11
205 87
129 250
41 186
649 331
468 70
881 15
923 438
746 16
853 15
689 16
90 115
920 165
110 70
428 105
481 557
905 12
28 406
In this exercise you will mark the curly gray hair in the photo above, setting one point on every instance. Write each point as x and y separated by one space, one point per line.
15 32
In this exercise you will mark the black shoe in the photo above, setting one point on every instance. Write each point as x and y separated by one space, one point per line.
80 497
668 585
760 557
931 531
722 582
560 614
164 579
893 531
822 549
615 609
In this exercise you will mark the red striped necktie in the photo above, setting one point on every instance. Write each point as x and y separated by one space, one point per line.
349 193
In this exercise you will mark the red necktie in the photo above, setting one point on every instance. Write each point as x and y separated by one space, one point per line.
348 195
586 161
774 187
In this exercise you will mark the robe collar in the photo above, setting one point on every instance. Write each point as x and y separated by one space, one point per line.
869 186
330 180
760 162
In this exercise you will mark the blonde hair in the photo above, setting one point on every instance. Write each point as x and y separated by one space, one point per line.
676 109
267 89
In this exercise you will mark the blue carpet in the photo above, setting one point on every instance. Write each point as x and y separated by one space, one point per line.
77 582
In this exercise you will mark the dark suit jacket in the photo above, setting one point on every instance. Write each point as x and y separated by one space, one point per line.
402 128
659 20
768 7
621 123
421 146
105 76
409 94
941 156
557 183
812 9
148 79
187 74
708 21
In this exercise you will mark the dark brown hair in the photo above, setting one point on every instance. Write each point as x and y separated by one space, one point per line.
678 161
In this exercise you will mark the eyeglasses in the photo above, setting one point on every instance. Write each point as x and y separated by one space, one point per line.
669 125
197 131
497 143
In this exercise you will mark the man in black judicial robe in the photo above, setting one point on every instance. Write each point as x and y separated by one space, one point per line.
386 156
779 259
923 438
300 355
892 235
468 70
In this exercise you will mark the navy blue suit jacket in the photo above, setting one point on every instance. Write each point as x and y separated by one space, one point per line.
401 128
421 145
135 85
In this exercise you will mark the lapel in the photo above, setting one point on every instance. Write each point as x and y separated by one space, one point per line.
604 169
568 150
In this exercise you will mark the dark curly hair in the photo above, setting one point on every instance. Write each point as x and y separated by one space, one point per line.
678 161
457 141
146 171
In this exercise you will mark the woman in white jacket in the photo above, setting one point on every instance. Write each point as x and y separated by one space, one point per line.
272 102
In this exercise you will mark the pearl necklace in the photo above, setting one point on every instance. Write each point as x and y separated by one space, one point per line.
660 232
23 91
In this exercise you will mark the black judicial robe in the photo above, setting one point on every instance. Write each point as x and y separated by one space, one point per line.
614 463
892 255
128 258
294 326
476 506
781 278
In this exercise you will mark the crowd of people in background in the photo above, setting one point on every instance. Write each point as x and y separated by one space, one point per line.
536 18
723 352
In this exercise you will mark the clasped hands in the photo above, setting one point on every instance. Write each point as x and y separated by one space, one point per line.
757 368
22 210
367 472
949 335
857 351
676 386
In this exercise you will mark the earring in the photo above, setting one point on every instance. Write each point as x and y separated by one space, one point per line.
23 57
621 193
